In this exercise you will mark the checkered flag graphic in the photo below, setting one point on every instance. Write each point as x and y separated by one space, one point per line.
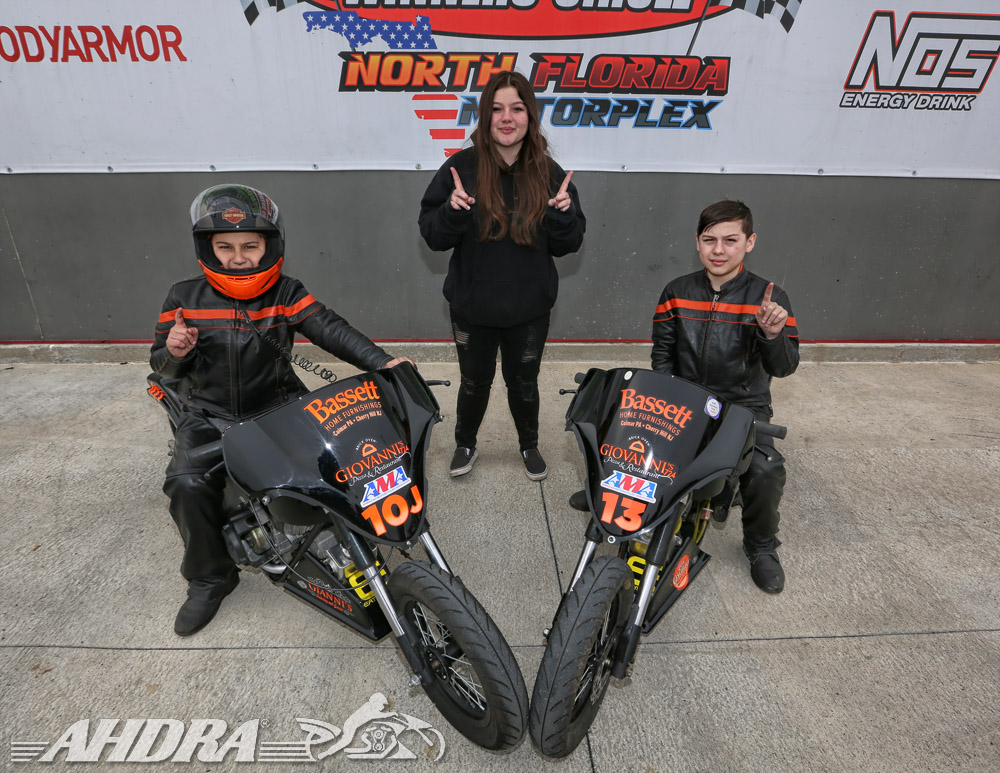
784 10
251 12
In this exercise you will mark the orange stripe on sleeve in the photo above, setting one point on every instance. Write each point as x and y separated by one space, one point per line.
287 311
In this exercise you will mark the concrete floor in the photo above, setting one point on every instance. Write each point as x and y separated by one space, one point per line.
883 653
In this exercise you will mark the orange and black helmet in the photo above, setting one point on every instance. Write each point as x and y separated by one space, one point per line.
230 209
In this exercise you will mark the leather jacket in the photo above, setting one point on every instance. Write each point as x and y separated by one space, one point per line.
232 373
712 338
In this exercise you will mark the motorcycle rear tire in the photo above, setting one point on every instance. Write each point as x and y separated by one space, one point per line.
575 670
478 687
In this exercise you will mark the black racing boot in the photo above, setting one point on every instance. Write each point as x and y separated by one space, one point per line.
765 567
203 601
578 501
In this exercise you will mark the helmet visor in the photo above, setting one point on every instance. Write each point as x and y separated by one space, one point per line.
234 208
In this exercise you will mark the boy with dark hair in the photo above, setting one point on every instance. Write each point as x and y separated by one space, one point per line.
731 331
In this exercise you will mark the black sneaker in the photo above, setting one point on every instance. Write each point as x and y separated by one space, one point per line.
765 569
534 464
462 461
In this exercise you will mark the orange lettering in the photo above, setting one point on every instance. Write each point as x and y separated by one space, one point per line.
395 511
418 502
610 505
372 514
677 414
632 510
631 517
316 409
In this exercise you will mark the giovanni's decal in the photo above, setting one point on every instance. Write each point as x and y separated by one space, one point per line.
374 460
637 458
398 46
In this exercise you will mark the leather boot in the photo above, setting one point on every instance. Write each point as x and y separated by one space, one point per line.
203 601
765 568
578 501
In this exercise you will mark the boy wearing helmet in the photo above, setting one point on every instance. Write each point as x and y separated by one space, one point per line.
210 339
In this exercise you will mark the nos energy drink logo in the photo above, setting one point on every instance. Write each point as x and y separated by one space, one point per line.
938 61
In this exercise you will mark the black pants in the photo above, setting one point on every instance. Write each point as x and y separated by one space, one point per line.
196 505
520 359
761 487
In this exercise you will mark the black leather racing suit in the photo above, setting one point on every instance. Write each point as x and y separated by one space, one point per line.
231 375
712 338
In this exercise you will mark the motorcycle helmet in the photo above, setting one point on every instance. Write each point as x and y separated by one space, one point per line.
230 209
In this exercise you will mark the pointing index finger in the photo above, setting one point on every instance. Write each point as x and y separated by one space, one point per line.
457 179
179 317
565 183
767 294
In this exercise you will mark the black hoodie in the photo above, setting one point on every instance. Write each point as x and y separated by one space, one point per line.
497 283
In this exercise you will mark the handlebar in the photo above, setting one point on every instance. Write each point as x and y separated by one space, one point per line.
771 430
578 378
438 382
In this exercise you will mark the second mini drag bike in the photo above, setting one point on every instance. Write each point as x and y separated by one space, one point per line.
327 485
661 454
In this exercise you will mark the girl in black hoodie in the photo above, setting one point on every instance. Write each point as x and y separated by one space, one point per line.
504 208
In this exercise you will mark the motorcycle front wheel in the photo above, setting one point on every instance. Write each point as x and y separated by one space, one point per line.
477 684
576 667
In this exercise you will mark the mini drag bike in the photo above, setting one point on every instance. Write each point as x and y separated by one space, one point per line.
660 453
326 485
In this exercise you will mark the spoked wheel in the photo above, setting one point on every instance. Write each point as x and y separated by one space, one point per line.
477 683
576 666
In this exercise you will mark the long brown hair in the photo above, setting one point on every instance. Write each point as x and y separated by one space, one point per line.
531 172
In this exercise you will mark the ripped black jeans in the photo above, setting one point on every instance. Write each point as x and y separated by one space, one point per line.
520 359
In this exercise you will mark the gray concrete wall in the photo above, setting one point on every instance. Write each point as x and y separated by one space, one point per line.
90 257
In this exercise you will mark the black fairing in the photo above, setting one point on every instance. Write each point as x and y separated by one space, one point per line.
648 439
348 447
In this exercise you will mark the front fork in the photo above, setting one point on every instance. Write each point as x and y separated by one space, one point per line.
592 540
402 628
656 556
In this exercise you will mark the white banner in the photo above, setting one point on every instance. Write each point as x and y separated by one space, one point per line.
880 87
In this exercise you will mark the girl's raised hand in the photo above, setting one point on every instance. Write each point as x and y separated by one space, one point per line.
459 198
562 199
